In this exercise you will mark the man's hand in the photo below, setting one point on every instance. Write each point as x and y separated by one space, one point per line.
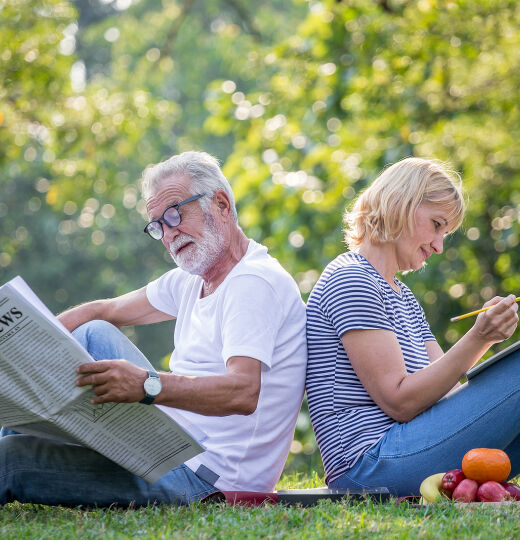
113 381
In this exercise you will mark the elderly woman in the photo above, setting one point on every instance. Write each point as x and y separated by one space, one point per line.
379 385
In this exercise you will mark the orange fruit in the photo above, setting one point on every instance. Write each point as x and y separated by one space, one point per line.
484 464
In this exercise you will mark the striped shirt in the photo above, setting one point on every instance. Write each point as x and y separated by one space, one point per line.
351 294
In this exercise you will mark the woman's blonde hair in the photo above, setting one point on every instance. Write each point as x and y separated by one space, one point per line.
384 210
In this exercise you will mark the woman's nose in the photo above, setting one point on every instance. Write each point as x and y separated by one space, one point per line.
438 244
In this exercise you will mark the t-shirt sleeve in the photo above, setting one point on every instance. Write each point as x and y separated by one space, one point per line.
425 326
165 292
417 312
352 300
252 314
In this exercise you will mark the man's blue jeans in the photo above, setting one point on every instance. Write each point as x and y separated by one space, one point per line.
483 413
37 470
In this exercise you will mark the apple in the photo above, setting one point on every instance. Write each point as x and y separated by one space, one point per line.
451 480
466 491
512 489
492 491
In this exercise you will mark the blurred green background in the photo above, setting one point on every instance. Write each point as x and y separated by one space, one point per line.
303 102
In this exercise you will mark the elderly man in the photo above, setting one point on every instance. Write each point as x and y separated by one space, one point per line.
237 371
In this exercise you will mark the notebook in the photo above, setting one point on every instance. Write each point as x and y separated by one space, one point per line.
491 360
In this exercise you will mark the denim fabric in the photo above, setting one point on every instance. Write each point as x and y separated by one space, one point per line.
38 470
483 413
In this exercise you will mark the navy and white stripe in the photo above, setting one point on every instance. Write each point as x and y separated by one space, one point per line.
351 294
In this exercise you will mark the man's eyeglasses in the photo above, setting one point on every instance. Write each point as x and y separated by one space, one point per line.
171 216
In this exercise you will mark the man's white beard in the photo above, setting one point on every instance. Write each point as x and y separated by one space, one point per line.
200 256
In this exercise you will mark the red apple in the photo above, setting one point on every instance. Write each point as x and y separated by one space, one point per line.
492 491
466 491
512 489
451 480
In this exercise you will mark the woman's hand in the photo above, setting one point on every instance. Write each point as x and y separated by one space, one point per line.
499 322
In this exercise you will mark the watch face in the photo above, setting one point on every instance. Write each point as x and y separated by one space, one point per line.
152 386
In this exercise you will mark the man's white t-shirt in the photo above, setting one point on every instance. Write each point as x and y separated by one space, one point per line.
257 312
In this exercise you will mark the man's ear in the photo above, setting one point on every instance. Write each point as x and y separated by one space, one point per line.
223 203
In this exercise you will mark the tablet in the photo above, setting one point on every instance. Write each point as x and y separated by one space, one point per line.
308 497
491 360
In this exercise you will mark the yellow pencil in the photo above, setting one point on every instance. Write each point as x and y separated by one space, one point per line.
454 319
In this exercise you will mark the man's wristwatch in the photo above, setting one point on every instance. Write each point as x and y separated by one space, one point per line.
152 387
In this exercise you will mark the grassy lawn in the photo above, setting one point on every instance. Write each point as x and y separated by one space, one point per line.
326 520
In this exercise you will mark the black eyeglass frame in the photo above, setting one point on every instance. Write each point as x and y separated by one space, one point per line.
162 219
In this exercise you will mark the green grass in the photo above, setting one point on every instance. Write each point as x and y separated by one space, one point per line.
363 519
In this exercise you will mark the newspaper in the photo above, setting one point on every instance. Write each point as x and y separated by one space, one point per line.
38 395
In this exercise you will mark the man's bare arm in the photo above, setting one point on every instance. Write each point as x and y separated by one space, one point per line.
234 392
129 309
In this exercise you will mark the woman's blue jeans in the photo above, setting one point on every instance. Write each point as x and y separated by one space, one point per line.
483 413
38 470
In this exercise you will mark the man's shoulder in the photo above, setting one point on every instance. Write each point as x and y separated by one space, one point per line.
257 262
175 277
258 274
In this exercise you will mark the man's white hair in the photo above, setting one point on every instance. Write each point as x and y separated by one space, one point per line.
204 171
